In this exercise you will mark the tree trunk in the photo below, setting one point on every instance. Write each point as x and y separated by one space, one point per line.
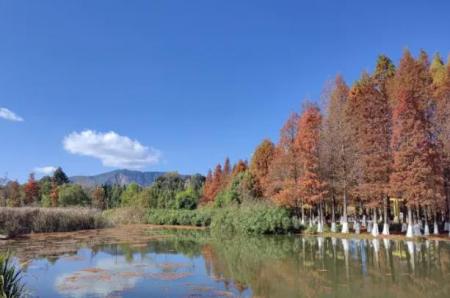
303 215
375 232
333 216
320 222
345 221
409 231
435 227
386 220
426 230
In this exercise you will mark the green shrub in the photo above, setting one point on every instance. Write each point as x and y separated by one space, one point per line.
10 279
72 195
252 219
245 219
187 199
199 217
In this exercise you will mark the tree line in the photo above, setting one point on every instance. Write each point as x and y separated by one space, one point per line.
168 191
384 140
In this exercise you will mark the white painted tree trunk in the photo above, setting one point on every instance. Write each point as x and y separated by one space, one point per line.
319 227
435 228
344 227
374 230
386 222
409 230
357 228
345 219
426 230
320 220
333 227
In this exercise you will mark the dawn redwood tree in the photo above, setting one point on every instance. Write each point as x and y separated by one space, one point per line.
285 169
369 112
213 184
416 176
440 74
32 191
239 167
383 76
338 140
260 165
312 185
226 171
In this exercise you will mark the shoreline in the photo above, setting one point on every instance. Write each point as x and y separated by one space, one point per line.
363 236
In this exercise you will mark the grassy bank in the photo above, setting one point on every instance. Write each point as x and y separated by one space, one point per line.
25 220
230 220
245 219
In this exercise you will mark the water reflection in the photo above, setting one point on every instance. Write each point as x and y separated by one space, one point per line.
194 263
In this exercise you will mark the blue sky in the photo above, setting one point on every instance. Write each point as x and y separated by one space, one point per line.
179 85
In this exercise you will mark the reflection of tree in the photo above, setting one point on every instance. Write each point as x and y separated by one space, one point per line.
308 267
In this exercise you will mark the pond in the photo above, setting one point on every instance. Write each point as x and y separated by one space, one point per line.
143 261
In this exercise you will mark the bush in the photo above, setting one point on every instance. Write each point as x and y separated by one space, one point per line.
200 217
245 219
10 279
16 221
253 219
187 199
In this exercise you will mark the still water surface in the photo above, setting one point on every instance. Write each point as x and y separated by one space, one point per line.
149 262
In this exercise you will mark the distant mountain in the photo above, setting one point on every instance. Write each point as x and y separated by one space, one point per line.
120 177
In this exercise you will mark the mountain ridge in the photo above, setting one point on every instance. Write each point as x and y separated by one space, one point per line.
119 177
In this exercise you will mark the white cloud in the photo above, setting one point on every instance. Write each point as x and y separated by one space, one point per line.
9 115
112 149
48 170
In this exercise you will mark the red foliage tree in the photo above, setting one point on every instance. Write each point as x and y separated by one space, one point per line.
417 176
260 165
441 93
213 184
339 158
31 189
285 170
239 167
207 188
371 121
312 185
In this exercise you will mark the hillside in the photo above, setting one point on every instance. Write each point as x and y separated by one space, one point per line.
121 177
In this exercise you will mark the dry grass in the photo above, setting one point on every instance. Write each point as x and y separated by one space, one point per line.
126 215
25 220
